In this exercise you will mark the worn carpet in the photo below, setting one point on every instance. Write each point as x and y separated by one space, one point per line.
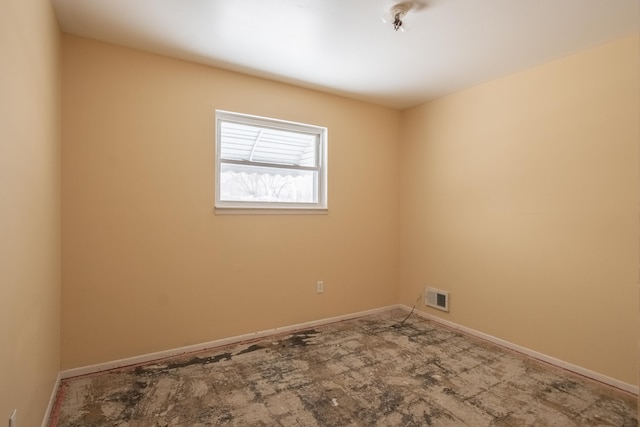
371 371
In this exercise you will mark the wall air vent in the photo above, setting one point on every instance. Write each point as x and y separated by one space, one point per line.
437 299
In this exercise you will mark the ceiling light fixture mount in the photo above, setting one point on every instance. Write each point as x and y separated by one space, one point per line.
396 14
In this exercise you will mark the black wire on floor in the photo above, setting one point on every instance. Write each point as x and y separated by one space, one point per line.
399 324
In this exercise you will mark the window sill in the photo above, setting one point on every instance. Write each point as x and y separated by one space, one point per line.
271 211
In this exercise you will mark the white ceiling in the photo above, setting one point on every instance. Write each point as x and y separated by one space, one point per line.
343 47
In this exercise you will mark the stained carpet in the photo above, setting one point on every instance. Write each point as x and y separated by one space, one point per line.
370 371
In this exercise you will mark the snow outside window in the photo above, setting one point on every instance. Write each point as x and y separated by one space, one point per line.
264 163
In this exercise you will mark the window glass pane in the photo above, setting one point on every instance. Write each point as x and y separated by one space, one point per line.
264 163
266 145
264 184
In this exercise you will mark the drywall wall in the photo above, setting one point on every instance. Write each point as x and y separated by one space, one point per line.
148 266
521 197
30 206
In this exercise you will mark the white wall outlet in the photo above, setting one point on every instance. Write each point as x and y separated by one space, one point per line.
13 419
319 287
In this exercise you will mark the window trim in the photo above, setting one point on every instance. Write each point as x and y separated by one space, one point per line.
244 207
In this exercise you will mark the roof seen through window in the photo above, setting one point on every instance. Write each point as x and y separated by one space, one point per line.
267 145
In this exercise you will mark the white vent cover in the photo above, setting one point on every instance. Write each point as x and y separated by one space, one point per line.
437 299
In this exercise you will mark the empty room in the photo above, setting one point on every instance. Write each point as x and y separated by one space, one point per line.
319 213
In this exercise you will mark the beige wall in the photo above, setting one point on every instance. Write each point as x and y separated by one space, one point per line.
521 196
30 208
148 266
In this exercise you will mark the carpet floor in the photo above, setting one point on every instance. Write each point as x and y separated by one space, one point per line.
370 371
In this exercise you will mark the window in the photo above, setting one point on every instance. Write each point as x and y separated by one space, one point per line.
265 163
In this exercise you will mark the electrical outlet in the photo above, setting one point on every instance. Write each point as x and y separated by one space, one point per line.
320 287
12 419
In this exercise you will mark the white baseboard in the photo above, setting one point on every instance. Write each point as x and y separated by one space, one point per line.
121 363
52 401
531 353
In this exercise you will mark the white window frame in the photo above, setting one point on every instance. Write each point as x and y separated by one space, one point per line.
226 206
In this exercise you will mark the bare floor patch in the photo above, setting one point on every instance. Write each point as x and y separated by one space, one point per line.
370 371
